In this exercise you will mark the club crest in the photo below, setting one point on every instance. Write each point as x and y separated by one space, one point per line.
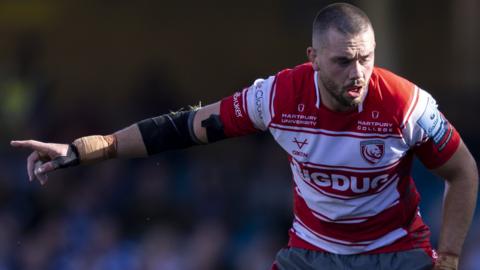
372 150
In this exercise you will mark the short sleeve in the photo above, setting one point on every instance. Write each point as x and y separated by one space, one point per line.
432 137
247 111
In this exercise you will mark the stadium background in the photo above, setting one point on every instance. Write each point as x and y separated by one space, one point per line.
73 68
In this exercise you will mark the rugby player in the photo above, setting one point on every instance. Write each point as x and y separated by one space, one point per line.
351 131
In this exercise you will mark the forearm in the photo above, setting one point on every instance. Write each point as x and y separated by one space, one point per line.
150 136
172 131
461 175
125 143
459 205
130 143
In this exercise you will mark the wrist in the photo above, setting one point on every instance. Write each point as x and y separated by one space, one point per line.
68 159
447 261
96 148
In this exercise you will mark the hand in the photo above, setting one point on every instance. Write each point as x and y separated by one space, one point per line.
446 261
43 159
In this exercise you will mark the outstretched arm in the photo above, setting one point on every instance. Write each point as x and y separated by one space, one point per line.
461 176
130 142
137 140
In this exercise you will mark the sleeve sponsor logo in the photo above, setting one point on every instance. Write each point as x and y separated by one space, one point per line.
433 123
444 144
236 105
259 101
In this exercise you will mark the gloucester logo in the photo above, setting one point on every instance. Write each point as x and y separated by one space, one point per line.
372 151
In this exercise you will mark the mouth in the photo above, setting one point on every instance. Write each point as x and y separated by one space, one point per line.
354 91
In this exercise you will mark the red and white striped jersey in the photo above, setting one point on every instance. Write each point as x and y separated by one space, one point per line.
353 192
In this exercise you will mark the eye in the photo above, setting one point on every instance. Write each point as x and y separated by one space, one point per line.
343 61
365 59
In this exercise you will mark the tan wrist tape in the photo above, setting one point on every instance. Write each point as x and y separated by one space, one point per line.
447 261
95 148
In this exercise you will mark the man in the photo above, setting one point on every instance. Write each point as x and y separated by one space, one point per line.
351 131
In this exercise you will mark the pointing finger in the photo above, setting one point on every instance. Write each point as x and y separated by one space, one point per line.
32 144
19 143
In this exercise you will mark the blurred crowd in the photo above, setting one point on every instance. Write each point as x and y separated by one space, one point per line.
225 206
176 211
222 206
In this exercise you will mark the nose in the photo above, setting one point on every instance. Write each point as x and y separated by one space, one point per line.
356 71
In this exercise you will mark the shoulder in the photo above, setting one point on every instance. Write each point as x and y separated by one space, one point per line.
293 93
295 77
393 86
396 94
293 82
297 71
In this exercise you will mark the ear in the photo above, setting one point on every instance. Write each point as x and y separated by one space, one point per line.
312 56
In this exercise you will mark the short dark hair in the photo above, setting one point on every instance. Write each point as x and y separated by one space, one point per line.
343 17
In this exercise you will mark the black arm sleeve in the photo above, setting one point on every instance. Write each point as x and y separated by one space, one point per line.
168 132
214 128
